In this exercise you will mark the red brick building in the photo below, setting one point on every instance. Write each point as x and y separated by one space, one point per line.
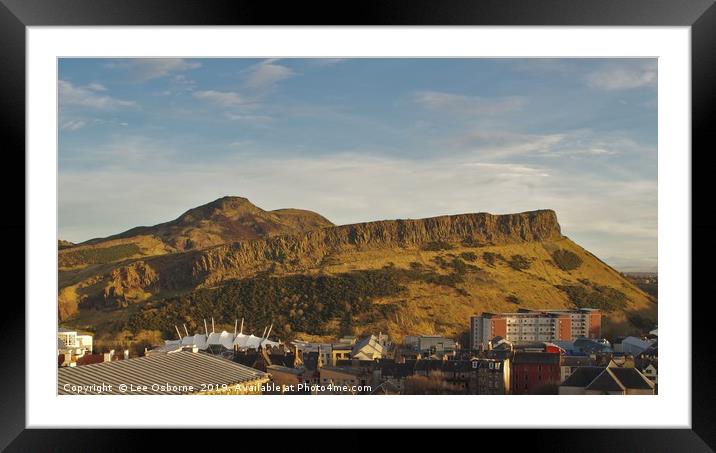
535 373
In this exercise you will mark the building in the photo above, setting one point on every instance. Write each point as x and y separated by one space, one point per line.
346 380
430 344
310 363
535 373
111 356
370 348
648 362
584 346
287 378
493 377
180 372
579 379
651 371
71 339
499 348
68 337
436 376
570 364
535 325
633 345
340 351
610 380
388 370
72 346
324 350
219 342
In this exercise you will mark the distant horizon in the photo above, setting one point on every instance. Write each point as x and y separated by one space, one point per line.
357 140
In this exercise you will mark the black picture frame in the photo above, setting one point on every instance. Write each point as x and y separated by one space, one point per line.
700 15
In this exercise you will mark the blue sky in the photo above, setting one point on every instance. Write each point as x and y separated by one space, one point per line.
143 140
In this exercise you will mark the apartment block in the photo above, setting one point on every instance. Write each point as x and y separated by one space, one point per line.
535 325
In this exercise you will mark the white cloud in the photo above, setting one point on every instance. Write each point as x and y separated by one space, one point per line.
248 118
225 98
456 103
71 95
120 152
581 143
73 125
623 78
501 144
154 68
96 87
266 74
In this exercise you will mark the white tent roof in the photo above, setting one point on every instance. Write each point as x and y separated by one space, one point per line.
240 340
198 340
253 342
268 342
227 340
214 338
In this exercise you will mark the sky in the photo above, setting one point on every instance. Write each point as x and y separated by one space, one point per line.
143 140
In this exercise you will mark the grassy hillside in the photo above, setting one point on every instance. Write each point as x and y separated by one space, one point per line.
430 289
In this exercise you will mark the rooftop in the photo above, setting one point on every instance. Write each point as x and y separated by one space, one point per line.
583 376
284 369
544 358
181 369
608 379
576 360
345 370
606 382
631 378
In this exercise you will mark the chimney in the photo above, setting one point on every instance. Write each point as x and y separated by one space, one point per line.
296 359
126 354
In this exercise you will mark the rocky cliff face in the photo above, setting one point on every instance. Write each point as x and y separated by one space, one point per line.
297 252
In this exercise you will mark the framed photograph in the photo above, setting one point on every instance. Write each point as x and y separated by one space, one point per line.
453 218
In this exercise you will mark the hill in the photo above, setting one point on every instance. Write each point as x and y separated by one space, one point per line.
222 221
423 276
